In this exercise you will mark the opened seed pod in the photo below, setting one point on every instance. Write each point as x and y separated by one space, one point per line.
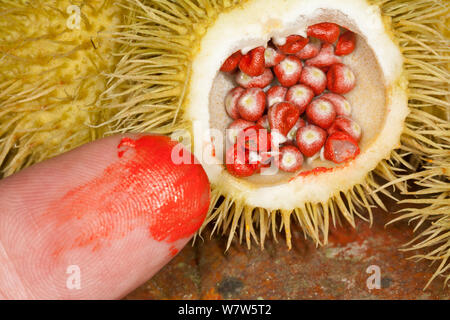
71 74
379 105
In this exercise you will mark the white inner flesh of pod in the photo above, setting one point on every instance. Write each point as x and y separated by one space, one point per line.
379 100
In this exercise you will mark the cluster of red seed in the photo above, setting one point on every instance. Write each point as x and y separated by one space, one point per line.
310 81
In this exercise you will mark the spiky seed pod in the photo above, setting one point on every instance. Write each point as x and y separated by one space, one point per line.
281 197
53 59
422 32
155 46
228 214
428 206
432 217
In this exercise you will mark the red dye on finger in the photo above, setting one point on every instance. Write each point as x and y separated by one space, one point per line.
144 188
173 251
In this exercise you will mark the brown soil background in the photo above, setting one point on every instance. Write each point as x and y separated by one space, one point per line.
336 271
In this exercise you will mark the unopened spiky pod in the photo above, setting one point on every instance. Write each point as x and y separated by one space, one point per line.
51 77
421 32
428 207
149 89
433 242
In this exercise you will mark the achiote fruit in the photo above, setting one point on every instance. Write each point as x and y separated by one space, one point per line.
167 66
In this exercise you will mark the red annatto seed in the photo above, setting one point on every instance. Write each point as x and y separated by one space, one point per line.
253 63
232 62
292 134
310 139
321 113
290 159
310 50
276 94
265 159
325 31
325 58
341 105
236 127
288 71
314 78
345 44
346 125
264 122
300 95
283 116
261 81
294 43
255 138
340 147
231 100
237 162
273 57
340 79
251 104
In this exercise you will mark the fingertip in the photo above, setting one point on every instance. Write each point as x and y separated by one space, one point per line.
117 210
